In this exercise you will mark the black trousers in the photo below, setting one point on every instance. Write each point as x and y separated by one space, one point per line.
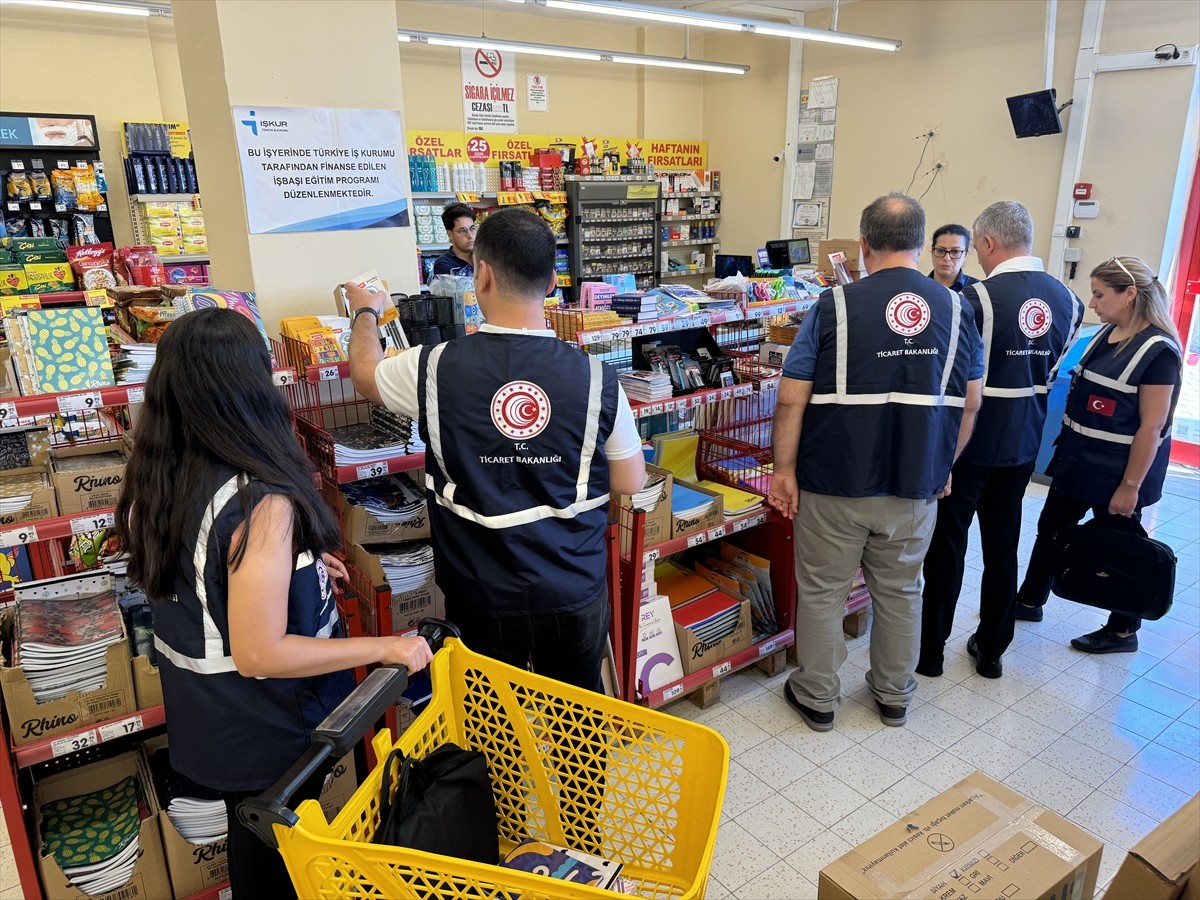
995 494
256 870
1060 511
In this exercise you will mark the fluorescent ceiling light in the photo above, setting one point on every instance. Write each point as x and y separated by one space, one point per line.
637 59
84 6
689 17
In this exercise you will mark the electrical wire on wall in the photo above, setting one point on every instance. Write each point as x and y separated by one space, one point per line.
936 170
928 137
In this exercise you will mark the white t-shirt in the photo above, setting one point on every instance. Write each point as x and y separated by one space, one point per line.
396 380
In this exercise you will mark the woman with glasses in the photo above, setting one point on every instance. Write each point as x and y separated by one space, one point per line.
950 246
1112 453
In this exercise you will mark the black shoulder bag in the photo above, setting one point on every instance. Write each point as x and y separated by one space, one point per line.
443 804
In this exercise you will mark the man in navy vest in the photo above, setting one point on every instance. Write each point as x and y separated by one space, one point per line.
879 396
526 437
1027 319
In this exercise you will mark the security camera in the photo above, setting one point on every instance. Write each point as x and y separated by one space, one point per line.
778 157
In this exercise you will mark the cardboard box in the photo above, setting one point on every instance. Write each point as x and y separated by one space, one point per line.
363 528
773 354
978 839
89 478
147 685
657 523
149 880
343 782
698 655
711 519
193 867
42 503
408 608
1163 864
849 247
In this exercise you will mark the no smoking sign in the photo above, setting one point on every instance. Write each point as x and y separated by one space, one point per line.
488 63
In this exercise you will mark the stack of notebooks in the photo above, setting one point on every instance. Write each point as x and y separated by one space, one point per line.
676 452
17 491
133 362
368 442
651 494
57 350
406 566
568 864
687 503
710 618
637 305
646 387
61 642
390 498
198 813
94 837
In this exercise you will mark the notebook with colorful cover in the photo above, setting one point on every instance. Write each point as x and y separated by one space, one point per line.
70 349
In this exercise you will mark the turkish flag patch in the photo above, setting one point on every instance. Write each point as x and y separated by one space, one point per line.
1101 405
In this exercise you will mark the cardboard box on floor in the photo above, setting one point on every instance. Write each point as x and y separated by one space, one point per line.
697 655
82 485
408 608
978 839
192 867
657 524
149 880
1164 864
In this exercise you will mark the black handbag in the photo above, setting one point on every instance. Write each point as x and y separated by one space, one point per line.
1111 563
443 804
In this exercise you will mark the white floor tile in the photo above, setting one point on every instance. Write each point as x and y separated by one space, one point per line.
1076 692
903 748
1161 699
934 725
1093 670
1021 732
714 890
1182 738
1079 761
780 882
743 790
905 795
1050 787
1132 717
780 825
1049 711
766 710
1175 677
774 763
972 708
738 688
1144 793
944 771
991 756
870 774
1005 691
810 859
1167 765
815 746
1192 716
823 797
739 857
1111 740
865 822
1117 824
741 733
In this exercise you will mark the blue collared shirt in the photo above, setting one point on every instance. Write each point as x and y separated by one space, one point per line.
960 282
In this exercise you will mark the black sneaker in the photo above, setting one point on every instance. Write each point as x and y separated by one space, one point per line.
894 716
1105 641
813 718
1029 613
988 668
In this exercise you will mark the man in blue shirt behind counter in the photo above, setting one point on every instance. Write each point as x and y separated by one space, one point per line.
878 398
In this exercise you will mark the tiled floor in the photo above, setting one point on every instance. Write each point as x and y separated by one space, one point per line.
1110 742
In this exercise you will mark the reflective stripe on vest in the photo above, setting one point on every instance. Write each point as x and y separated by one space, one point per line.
985 304
841 395
445 498
214 661
1099 435
1121 382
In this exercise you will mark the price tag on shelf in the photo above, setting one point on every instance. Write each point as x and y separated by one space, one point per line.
718 532
14 207
136 395
669 406
18 165
723 669
283 377
696 540
727 394
672 692
225 894
651 555
62 164
768 647
656 409
68 403
466 197
121 728
102 207
8 414
38 163
698 400
372 470
60 207
743 390
769 384
81 163
329 373
27 534
96 298
65 745
35 205
84 524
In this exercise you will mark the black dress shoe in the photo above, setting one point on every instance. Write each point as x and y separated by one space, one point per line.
1105 641
813 718
988 668
894 716
1029 613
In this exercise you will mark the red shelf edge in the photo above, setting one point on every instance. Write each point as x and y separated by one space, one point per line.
312 373
405 463
726 528
58 527
751 654
31 754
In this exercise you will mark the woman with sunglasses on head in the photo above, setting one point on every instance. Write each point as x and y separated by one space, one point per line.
1112 453
949 250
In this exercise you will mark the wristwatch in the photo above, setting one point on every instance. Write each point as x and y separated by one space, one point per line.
364 309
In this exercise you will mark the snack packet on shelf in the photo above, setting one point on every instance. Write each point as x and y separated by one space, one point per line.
93 266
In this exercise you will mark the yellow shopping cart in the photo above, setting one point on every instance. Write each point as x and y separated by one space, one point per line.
657 782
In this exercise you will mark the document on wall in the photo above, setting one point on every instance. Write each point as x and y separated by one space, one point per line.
825 132
822 93
806 215
806 134
806 154
803 178
809 117
823 151
827 115
822 184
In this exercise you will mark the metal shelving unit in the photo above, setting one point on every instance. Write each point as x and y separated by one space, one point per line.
692 221
600 210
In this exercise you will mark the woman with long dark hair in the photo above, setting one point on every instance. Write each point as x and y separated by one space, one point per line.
1112 454
230 540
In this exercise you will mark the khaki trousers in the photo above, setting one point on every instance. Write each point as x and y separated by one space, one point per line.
889 536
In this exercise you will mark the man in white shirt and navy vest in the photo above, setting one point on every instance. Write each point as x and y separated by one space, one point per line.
878 397
1027 319
526 436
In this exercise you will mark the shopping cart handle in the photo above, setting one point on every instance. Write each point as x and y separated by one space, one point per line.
341 730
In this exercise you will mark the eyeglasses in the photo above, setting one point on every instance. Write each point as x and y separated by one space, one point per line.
464 231
1121 266
940 252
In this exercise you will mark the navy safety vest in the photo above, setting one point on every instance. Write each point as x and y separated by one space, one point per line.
227 731
1027 319
1102 418
515 427
889 388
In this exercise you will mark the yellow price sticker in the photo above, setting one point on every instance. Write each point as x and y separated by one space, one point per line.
564 280
97 298
20 301
641 192
466 197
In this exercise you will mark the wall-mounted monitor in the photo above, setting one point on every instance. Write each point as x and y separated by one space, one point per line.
1036 114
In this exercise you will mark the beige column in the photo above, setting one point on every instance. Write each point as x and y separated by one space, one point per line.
319 53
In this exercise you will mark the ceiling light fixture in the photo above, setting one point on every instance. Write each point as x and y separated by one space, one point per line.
637 59
713 20
143 10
